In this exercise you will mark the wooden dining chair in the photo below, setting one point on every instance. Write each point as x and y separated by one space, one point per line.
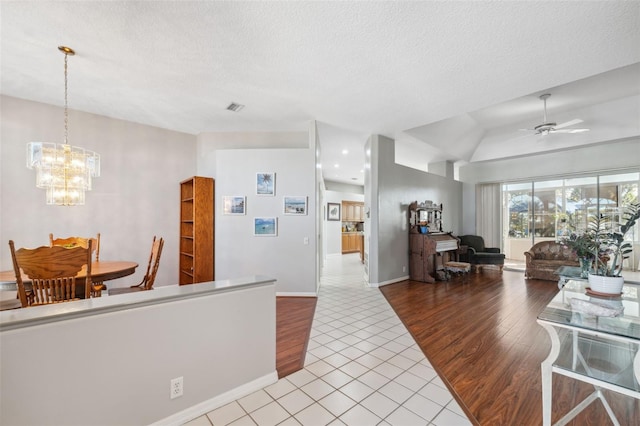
69 242
52 272
150 275
77 241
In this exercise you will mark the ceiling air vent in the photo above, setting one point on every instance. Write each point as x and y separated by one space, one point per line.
235 107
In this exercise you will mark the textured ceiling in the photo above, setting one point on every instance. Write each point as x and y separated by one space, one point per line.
445 74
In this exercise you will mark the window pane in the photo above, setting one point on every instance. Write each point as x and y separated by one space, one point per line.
546 208
535 211
579 198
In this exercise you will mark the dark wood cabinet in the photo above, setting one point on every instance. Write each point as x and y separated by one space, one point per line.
428 251
422 250
196 263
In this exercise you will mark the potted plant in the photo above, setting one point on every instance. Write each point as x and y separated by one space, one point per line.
584 246
611 249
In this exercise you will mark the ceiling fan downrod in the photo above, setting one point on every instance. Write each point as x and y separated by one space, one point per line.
545 128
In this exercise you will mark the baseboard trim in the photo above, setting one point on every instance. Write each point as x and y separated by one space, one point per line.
204 407
393 281
295 294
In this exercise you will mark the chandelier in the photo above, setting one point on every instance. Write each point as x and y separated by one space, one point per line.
65 171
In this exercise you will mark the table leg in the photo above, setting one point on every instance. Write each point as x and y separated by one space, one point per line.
575 350
636 365
561 282
547 372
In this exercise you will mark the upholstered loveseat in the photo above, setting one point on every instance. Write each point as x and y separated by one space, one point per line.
546 257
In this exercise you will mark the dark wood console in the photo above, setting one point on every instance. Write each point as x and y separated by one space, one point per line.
428 251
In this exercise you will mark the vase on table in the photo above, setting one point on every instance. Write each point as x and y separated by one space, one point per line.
585 267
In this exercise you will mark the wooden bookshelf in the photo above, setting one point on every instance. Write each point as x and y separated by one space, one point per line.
196 263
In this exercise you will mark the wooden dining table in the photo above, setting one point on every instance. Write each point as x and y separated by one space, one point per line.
103 270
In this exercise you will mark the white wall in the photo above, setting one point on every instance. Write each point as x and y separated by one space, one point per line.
115 368
612 156
285 257
398 186
136 197
319 196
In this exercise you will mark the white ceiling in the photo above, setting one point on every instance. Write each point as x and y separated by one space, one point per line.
453 80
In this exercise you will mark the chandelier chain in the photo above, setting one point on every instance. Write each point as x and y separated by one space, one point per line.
66 112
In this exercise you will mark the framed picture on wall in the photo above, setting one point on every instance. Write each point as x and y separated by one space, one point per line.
294 205
266 184
234 204
333 211
265 226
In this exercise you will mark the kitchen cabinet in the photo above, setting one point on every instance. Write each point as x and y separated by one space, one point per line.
352 211
351 242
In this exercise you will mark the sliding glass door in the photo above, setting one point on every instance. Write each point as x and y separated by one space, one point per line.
551 209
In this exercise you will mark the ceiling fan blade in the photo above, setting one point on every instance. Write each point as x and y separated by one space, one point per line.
570 131
568 123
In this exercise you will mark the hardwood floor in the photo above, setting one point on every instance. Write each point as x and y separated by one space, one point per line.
482 337
294 317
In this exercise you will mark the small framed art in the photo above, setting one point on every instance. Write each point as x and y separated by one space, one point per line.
265 226
234 204
333 211
294 205
266 184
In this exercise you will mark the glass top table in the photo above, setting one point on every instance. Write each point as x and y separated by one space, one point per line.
567 273
600 350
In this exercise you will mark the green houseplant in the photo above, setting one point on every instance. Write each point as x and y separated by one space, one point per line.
584 246
611 249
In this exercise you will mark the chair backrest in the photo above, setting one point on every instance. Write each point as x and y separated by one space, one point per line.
76 241
154 263
474 241
52 272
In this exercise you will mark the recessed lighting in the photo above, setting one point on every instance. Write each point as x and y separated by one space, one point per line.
235 107
336 165
345 151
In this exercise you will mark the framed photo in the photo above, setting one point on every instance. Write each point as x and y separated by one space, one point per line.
333 211
266 184
265 226
234 204
294 205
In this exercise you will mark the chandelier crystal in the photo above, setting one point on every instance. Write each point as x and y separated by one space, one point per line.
65 171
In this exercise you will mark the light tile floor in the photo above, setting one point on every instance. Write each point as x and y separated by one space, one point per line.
362 368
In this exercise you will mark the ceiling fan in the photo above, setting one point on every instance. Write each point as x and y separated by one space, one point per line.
550 127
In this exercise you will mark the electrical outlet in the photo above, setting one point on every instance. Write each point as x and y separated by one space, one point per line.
177 387
404 269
